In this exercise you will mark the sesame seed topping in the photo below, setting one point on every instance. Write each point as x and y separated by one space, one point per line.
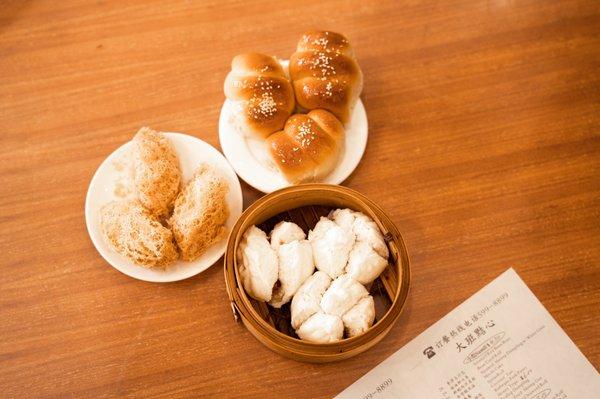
267 104
321 42
328 89
305 133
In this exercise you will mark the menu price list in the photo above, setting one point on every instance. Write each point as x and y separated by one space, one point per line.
499 344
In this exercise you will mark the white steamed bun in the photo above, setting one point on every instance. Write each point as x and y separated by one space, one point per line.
321 328
307 300
320 307
258 264
343 293
366 230
360 317
331 246
295 266
343 218
364 264
285 232
368 257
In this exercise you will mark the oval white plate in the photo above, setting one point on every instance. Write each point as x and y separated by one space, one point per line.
251 161
111 173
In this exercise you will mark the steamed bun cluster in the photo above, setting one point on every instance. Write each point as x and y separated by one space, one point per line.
348 251
322 308
286 259
368 256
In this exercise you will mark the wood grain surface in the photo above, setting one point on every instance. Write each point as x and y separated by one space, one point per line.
484 149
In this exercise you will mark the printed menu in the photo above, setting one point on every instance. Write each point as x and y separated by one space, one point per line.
500 343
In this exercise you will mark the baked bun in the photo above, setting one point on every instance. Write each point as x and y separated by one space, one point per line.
200 213
155 170
262 95
134 232
325 74
309 146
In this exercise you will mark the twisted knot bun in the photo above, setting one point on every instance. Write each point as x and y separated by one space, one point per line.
261 92
325 74
309 146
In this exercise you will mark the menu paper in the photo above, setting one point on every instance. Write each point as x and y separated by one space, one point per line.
500 343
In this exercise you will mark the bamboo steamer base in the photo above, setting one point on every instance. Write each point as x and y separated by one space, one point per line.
303 205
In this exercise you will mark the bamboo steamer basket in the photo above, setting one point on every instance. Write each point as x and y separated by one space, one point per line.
304 204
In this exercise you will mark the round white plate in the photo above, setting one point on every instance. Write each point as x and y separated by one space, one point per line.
250 160
111 177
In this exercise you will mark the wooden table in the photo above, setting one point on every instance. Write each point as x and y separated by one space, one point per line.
483 148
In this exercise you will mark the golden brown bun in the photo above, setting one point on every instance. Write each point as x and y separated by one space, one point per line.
325 74
200 213
134 232
261 92
155 169
309 146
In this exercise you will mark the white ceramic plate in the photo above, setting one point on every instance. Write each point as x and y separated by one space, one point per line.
252 163
111 177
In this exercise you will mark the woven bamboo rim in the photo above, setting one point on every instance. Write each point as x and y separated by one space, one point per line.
395 279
